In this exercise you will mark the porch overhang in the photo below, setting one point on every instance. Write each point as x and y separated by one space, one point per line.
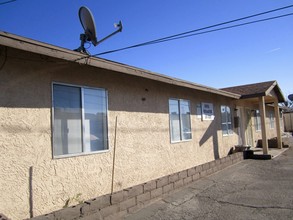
258 96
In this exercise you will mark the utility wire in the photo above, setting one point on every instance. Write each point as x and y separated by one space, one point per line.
3 3
228 27
220 24
189 33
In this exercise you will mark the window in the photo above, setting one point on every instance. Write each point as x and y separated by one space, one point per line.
80 120
257 120
198 111
226 118
272 120
180 126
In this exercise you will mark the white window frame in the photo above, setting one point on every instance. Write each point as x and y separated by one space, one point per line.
229 131
107 149
180 121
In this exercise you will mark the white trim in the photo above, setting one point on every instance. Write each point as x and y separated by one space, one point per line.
180 122
82 121
227 122
82 118
81 154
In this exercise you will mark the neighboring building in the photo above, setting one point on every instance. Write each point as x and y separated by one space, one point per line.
288 119
62 116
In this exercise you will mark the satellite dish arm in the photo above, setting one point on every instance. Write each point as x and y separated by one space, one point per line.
119 26
83 39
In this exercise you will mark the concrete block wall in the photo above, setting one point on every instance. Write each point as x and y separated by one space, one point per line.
116 205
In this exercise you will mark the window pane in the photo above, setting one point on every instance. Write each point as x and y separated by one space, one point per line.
229 118
230 130
174 120
258 121
226 118
224 128
185 119
95 120
223 114
67 120
198 111
272 120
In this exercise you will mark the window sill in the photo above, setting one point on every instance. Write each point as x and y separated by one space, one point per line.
227 135
176 142
80 154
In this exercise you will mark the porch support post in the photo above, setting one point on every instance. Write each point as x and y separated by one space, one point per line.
278 124
242 126
262 109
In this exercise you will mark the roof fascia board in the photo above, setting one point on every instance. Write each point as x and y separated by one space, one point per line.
281 97
33 46
29 45
271 88
277 90
253 95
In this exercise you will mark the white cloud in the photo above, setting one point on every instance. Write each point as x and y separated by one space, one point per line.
274 50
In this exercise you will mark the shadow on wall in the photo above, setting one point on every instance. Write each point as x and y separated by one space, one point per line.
26 82
212 131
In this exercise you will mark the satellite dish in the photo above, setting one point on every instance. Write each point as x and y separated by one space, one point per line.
290 97
88 23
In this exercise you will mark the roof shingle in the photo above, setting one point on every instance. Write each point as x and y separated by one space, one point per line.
256 89
250 89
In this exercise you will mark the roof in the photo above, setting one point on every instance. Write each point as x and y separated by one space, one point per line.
22 43
286 109
257 90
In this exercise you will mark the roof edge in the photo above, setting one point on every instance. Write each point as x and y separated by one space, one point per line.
273 86
26 44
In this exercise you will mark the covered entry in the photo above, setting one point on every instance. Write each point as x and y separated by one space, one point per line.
259 113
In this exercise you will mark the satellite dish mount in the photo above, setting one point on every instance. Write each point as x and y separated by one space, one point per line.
89 35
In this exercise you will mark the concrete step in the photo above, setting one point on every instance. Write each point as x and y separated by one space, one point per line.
249 154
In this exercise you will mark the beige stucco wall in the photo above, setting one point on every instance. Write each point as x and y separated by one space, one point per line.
143 148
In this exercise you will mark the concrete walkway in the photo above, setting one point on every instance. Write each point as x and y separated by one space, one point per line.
252 189
274 152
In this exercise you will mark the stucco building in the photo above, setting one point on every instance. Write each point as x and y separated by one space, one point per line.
64 116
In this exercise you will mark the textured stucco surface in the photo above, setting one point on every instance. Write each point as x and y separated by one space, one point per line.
143 148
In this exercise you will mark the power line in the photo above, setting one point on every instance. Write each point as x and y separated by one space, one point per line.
223 23
189 33
3 3
214 30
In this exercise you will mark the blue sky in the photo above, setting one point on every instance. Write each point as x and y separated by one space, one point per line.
247 54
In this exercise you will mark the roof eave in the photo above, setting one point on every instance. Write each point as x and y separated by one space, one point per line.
18 42
253 95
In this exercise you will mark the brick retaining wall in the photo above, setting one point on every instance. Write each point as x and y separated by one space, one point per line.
114 206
